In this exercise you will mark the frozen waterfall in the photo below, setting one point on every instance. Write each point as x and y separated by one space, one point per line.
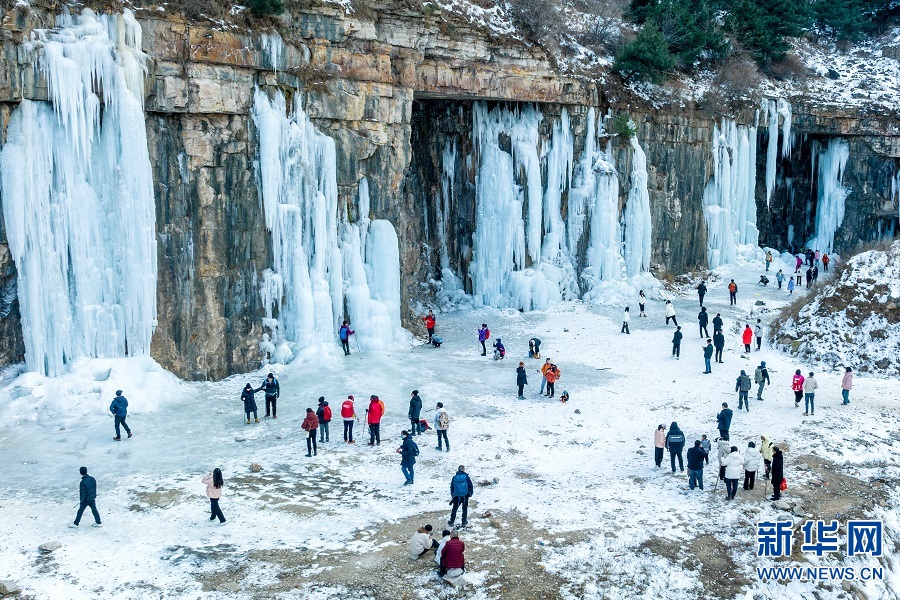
77 195
638 232
321 260
729 202
832 195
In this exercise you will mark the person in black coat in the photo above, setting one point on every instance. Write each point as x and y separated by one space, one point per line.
249 402
703 318
324 417
724 420
717 323
88 493
521 380
695 458
676 343
415 412
719 343
675 445
701 291
777 471
272 390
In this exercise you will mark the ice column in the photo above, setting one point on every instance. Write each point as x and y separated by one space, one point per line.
784 109
729 204
772 149
320 261
77 195
637 215
832 194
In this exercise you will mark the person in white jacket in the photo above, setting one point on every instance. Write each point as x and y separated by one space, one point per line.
626 316
670 313
809 393
752 463
722 449
733 464
445 535
642 302
421 542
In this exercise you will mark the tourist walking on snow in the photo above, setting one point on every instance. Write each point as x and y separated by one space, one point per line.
521 379
247 396
847 381
214 484
625 318
119 409
676 343
809 389
719 343
429 320
765 451
695 458
344 333
825 261
642 301
758 333
408 452
484 334
718 323
790 287
87 492
272 391
461 490
723 448
723 420
441 424
704 443
348 413
703 319
761 377
768 259
732 292
797 387
373 419
747 338
323 413
415 412
751 461
815 274
734 465
779 277
670 312
809 276
742 387
701 291
543 371
310 425
777 471
707 355
798 264
659 444
675 445
553 374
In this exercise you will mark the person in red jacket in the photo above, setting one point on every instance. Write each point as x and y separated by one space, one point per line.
310 425
373 418
747 338
429 321
453 560
797 385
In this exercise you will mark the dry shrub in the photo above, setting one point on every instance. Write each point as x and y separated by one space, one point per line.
790 68
738 74
540 20
604 24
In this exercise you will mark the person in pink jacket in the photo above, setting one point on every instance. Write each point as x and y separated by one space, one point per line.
847 385
214 485
659 443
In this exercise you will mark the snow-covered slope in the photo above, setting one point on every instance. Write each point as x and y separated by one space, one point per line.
854 319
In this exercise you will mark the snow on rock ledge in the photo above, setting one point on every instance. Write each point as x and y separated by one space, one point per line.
852 320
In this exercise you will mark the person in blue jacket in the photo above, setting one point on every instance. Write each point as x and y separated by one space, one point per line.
344 333
408 451
119 409
460 491
87 490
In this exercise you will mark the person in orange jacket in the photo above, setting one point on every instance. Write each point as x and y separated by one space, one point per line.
732 292
543 370
310 426
373 418
553 375
747 338
429 321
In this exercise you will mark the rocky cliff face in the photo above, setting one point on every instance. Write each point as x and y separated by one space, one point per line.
391 85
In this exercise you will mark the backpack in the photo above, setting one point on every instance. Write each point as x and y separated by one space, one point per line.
676 438
757 375
444 420
487 333
381 403
415 447
460 485
347 409
326 413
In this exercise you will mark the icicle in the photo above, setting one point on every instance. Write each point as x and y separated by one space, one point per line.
772 149
637 215
832 195
319 272
784 109
272 46
448 177
77 195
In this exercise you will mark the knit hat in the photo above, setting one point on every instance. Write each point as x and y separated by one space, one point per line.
350 397
762 364
118 392
321 399
521 363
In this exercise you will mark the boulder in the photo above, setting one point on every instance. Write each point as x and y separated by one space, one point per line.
782 505
8 588
48 547
255 468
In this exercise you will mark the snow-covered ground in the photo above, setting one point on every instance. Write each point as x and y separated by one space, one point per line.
568 502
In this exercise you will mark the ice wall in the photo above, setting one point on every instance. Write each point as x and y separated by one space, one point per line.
77 195
638 232
321 260
832 195
729 203
771 117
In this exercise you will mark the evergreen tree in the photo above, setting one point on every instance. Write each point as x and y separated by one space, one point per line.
841 18
762 25
265 7
647 57
689 26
